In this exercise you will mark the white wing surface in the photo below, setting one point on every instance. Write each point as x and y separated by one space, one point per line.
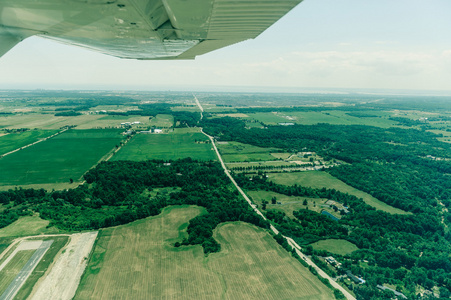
140 29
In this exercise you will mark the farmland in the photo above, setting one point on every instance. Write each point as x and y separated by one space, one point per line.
330 117
162 121
239 152
49 121
27 225
13 141
317 179
180 143
251 264
66 156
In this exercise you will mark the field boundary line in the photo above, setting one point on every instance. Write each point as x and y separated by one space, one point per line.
34 143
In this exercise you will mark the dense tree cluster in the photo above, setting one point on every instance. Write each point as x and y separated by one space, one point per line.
120 192
406 168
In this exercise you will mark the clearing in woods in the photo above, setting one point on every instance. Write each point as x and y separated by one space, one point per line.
251 265
318 179
341 247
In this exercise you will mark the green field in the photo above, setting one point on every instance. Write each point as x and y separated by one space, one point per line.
331 117
28 225
13 141
288 204
251 265
318 179
49 121
174 145
341 247
162 121
238 152
68 155
12 268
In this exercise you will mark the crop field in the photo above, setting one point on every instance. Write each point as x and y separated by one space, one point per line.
251 264
341 247
318 179
238 152
331 117
13 141
66 156
162 121
174 145
27 225
49 121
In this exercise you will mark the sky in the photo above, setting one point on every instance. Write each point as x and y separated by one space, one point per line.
320 44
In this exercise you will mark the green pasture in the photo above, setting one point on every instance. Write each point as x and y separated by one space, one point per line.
49 121
318 179
288 204
13 141
330 117
27 225
162 121
341 247
239 152
251 265
66 156
173 145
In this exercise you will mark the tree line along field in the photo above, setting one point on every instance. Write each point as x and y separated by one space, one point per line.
180 143
251 265
59 159
318 179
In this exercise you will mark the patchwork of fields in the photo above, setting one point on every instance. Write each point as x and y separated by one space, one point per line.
251 265
59 159
180 143
13 141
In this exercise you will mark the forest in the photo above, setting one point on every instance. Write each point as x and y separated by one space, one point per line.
120 192
406 168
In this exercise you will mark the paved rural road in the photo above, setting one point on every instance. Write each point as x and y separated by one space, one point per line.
273 229
20 279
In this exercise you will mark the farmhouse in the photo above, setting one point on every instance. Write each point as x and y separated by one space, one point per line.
157 130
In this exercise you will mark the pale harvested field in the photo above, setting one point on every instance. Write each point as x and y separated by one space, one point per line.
138 261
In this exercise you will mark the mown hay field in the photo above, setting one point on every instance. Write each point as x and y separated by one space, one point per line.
173 145
318 179
59 159
27 225
139 261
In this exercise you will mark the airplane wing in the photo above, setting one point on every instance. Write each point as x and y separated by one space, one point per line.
140 29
